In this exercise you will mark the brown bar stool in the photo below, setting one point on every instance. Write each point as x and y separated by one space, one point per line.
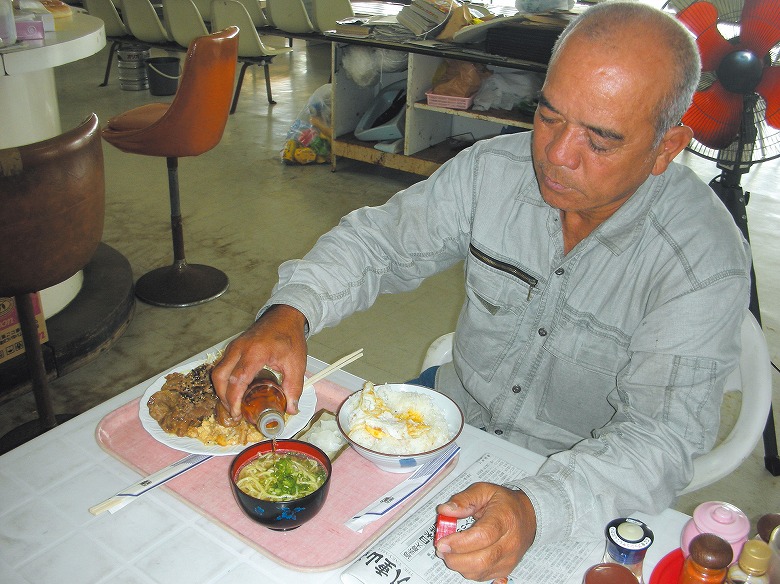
53 198
189 126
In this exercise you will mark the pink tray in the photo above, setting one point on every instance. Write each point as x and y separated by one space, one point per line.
324 543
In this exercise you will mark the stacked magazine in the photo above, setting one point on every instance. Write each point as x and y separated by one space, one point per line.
422 16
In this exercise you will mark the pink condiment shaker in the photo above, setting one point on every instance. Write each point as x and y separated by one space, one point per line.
723 519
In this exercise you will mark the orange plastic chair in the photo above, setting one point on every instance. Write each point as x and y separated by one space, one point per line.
53 197
189 126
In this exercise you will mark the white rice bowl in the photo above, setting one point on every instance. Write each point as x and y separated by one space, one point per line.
399 426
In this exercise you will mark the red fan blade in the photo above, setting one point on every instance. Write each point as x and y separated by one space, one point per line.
760 26
714 116
701 18
769 89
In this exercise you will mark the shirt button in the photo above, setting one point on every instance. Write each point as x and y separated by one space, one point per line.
542 332
499 432
516 389
559 272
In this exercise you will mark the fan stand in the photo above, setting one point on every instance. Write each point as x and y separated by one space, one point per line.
727 187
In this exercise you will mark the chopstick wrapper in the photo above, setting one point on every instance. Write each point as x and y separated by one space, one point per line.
403 491
129 494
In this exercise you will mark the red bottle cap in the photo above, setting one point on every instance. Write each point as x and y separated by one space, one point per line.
445 525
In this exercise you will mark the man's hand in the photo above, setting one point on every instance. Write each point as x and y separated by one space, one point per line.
492 547
276 340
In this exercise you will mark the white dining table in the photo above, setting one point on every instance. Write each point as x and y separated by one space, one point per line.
48 535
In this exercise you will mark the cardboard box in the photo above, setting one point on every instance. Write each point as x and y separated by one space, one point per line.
11 343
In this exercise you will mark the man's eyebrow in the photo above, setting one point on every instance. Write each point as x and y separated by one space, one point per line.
603 132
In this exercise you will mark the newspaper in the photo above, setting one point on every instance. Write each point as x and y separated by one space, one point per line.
406 554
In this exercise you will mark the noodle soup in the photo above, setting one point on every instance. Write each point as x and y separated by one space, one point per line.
281 476
281 490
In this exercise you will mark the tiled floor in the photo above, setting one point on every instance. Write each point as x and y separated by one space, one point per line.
245 212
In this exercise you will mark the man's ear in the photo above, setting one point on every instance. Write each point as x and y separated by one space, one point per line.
671 145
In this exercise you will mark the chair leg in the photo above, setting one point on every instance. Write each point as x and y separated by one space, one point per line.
111 53
240 82
268 82
180 284
47 419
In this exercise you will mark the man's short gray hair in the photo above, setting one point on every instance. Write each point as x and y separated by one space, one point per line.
603 20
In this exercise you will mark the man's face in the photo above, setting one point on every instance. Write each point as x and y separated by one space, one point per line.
593 129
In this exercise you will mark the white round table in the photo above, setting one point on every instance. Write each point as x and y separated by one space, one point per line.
29 111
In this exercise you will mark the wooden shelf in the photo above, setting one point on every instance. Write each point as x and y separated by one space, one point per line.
505 117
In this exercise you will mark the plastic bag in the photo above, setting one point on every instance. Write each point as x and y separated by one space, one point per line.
365 65
308 139
506 90
459 78
535 6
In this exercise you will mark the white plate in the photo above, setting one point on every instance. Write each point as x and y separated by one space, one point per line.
306 407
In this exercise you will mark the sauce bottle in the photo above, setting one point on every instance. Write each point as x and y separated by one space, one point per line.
752 564
627 542
264 404
766 525
708 560
609 574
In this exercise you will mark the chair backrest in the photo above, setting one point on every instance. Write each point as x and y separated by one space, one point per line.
184 21
255 13
325 13
290 16
753 378
106 11
143 22
195 120
232 13
204 7
53 198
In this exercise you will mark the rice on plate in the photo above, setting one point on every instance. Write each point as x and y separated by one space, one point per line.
396 422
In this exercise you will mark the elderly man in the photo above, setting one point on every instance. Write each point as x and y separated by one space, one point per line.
605 287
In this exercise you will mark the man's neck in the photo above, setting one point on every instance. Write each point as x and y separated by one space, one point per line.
575 228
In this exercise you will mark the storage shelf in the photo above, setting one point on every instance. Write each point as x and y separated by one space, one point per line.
505 117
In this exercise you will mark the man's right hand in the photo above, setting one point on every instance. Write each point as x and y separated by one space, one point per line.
275 340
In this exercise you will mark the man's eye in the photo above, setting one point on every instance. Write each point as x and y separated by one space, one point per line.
596 148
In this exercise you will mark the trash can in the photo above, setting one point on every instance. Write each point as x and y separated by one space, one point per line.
132 72
163 73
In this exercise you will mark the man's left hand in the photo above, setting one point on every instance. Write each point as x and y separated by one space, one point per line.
504 528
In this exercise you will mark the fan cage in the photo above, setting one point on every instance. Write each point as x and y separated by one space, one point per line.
766 145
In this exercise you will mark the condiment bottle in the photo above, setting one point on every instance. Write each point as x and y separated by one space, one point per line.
766 525
627 543
708 561
264 403
752 564
722 519
608 573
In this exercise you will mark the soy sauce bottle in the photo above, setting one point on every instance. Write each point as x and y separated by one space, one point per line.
708 562
264 404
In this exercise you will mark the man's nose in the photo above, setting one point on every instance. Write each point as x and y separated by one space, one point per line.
564 148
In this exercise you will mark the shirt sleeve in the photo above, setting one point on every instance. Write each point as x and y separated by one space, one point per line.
667 413
375 250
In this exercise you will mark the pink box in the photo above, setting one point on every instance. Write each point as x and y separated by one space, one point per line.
27 30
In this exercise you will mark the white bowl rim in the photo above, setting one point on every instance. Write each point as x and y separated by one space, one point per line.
387 455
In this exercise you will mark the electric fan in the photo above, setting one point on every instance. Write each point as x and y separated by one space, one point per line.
735 114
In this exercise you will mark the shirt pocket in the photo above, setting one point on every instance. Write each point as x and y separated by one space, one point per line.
583 360
497 295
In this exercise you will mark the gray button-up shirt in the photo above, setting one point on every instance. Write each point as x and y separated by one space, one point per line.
610 360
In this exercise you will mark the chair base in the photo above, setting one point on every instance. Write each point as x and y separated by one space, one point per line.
181 284
26 432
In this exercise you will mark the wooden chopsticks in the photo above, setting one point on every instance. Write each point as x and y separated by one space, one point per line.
343 362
